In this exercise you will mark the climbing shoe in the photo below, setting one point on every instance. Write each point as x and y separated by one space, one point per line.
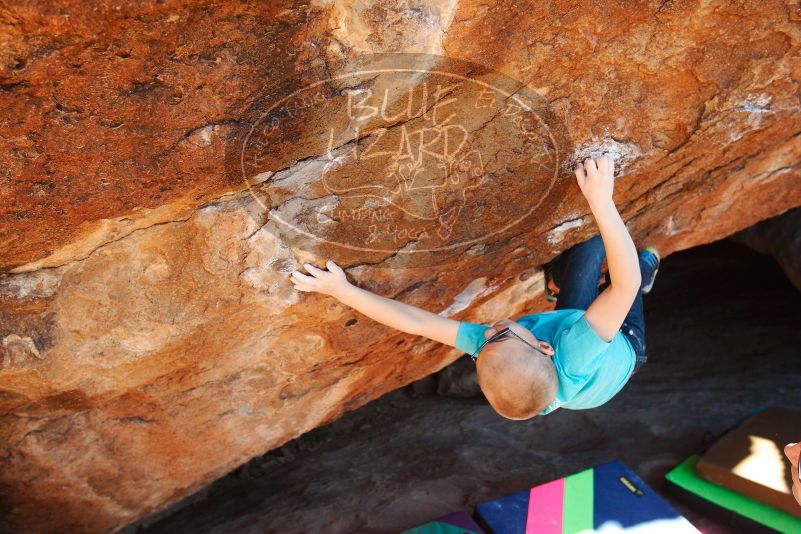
551 290
649 266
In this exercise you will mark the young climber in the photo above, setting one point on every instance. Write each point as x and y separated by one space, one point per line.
578 355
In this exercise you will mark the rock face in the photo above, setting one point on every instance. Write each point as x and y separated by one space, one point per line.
165 167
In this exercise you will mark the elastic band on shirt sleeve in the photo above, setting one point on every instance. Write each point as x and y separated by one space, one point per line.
470 336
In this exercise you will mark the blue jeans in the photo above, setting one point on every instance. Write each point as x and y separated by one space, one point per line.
577 272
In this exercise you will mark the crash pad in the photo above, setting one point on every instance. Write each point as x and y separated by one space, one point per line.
749 459
607 498
455 523
727 506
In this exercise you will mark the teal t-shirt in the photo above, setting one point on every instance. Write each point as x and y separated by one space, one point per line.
591 371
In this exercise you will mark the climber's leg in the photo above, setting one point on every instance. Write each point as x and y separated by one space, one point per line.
634 324
576 272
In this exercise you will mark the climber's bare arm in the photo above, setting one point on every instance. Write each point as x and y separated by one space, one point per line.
398 315
606 314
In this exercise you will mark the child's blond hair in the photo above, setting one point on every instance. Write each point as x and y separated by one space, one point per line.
519 382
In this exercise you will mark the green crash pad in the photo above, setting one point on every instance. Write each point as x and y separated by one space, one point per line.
737 509
749 459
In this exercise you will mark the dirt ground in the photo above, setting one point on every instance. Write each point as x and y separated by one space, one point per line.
723 329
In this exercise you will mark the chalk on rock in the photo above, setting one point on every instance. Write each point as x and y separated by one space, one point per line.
606 498
623 153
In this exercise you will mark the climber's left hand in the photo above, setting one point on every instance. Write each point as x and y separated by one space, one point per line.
331 282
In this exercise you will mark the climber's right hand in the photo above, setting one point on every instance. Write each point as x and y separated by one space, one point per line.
331 282
596 179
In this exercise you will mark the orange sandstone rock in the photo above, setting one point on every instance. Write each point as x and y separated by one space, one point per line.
150 338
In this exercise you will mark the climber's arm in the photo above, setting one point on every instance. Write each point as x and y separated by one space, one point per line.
398 315
607 312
